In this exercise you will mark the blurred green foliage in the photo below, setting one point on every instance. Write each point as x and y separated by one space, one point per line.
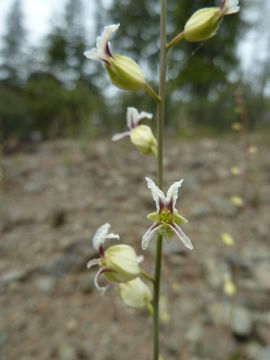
55 91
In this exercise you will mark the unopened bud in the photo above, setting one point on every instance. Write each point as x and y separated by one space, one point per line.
135 293
121 261
125 73
143 137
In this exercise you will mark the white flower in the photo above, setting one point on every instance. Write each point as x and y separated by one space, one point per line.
166 219
140 135
229 7
102 50
101 235
118 263
133 120
135 293
123 71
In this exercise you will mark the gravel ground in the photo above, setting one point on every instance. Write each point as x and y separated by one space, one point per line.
54 196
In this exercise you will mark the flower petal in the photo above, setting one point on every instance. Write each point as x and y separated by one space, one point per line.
98 274
144 115
172 193
132 117
181 235
158 195
92 263
147 237
230 7
140 259
100 236
102 52
120 136
102 41
112 236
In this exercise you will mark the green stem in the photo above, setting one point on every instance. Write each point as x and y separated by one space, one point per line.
175 40
152 93
162 82
146 276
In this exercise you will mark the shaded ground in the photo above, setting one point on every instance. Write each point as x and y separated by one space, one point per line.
54 198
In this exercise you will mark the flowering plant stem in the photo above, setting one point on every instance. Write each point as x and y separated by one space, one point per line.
161 103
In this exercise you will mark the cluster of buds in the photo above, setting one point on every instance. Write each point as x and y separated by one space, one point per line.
119 266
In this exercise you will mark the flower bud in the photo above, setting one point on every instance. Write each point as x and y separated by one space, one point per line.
142 136
125 73
121 263
203 24
135 293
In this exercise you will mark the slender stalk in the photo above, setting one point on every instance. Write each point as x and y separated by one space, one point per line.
162 81
175 40
152 93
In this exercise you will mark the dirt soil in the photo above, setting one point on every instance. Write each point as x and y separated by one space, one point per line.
54 195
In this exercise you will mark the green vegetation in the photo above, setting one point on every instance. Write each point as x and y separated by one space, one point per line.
54 91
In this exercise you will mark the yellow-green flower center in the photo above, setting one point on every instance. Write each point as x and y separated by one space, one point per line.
165 217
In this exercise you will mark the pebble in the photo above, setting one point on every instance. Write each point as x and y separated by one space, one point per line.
241 323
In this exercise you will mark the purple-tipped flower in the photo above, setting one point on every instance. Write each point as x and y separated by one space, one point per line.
118 263
140 135
123 71
166 219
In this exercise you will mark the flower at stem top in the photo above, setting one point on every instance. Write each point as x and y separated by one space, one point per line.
118 263
167 220
204 23
123 71
140 135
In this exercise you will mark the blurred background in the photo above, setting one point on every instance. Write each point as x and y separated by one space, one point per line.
61 178
48 89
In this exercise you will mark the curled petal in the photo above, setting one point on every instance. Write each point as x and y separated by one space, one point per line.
120 136
181 235
132 117
144 115
157 194
102 51
172 193
92 263
102 235
112 236
147 237
98 274
230 7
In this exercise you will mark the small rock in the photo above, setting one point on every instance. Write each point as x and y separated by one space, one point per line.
45 283
219 313
261 272
194 333
3 339
265 353
216 344
241 323
200 211
263 333
223 207
66 352
86 283
12 275
252 351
